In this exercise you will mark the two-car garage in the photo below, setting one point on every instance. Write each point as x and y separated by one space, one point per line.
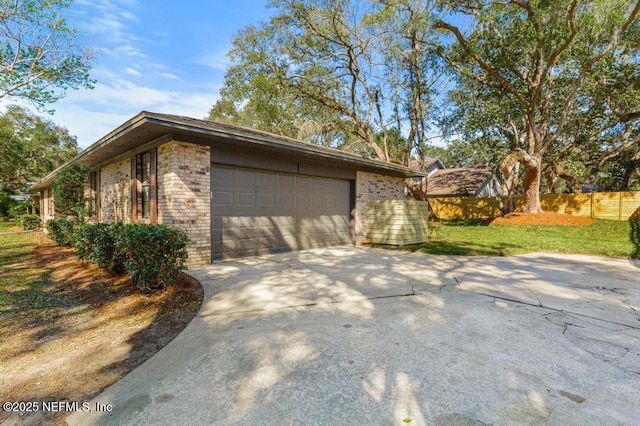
257 211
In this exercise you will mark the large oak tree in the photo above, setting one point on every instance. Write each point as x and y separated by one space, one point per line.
534 66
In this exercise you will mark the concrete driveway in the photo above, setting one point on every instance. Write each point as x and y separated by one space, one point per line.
364 336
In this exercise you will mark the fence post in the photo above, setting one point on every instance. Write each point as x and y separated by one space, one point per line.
619 205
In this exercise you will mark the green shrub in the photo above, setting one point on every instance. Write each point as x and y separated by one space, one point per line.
155 254
69 192
96 243
61 231
30 221
6 204
18 209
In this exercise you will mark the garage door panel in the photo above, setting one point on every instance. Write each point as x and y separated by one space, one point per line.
257 232
255 222
246 199
256 212
246 175
285 181
245 244
222 174
301 182
285 201
223 198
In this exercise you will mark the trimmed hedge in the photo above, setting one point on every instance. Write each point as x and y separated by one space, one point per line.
96 243
152 255
61 231
30 221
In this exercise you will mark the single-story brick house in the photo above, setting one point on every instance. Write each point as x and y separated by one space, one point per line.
236 191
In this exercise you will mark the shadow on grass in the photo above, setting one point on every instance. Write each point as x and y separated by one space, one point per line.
469 222
460 248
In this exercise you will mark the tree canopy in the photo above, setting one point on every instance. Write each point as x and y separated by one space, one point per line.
340 73
40 57
546 77
551 87
31 147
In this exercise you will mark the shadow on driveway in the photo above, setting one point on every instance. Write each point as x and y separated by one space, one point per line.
365 336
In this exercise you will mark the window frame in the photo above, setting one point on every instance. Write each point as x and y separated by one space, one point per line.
144 192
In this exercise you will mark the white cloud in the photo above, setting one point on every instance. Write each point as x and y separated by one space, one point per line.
217 61
120 93
132 71
91 114
129 50
169 76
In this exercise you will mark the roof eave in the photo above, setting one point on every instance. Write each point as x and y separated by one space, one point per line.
176 124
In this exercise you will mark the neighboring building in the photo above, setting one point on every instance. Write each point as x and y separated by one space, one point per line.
427 165
235 191
458 182
464 182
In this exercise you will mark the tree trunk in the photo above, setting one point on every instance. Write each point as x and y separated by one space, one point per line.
533 172
532 177
418 189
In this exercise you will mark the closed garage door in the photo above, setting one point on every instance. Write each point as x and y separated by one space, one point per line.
257 212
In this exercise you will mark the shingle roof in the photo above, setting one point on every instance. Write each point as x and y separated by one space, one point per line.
457 182
148 126
422 164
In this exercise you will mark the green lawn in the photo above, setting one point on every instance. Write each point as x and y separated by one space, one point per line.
603 237
25 291
5 225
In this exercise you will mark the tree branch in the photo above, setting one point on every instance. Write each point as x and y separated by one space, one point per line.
583 72
481 62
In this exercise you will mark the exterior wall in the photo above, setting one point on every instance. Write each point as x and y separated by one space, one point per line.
115 193
46 206
184 188
369 187
490 188
397 222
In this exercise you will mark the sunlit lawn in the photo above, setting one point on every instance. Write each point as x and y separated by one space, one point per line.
603 237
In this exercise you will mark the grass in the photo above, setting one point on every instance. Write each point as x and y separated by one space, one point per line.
6 224
603 237
24 287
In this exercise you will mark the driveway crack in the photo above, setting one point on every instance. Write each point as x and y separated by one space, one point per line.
569 313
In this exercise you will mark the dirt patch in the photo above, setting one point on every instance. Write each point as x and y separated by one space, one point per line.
544 218
80 329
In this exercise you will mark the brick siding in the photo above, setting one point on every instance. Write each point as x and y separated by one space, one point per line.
369 187
46 206
115 193
184 188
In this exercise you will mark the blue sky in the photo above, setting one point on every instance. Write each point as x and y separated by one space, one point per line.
162 56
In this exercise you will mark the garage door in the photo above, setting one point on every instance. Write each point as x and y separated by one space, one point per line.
256 212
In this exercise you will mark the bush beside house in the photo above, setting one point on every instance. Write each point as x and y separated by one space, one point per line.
153 255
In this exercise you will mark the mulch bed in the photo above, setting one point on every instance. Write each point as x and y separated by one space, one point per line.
97 329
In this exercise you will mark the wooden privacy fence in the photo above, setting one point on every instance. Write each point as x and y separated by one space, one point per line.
596 205
397 222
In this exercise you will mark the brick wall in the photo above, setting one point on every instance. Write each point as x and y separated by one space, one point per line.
115 194
369 187
46 205
184 187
